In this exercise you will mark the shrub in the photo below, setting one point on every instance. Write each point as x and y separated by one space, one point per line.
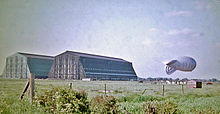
139 98
161 107
60 100
117 91
128 98
145 98
104 105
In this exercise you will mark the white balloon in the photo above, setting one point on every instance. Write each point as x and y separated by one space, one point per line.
186 64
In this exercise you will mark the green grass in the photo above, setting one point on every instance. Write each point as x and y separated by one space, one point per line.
10 91
128 93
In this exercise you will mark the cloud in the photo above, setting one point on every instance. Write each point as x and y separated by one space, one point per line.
178 13
196 34
155 43
156 32
217 44
184 31
148 42
153 29
202 5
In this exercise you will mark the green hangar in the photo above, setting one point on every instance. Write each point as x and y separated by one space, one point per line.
77 65
20 65
68 65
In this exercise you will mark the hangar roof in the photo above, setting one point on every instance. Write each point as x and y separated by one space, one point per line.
94 56
36 56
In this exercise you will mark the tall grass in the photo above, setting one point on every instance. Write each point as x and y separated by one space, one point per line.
9 98
128 94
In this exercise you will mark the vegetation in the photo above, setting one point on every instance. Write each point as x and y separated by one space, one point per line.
166 106
104 105
122 96
10 103
61 100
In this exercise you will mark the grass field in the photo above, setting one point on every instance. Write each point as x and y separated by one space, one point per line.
129 95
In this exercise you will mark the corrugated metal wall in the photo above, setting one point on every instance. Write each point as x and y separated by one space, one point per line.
70 66
20 66
67 66
102 69
40 67
16 67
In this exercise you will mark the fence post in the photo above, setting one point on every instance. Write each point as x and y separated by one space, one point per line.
144 91
163 89
31 87
182 89
70 85
25 89
105 89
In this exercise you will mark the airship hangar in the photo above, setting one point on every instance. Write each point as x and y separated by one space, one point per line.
20 65
69 65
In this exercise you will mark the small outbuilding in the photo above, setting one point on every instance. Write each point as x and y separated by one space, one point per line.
194 83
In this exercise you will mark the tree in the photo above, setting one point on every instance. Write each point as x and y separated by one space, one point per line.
185 79
177 79
213 80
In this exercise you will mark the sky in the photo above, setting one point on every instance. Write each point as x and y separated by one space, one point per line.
145 32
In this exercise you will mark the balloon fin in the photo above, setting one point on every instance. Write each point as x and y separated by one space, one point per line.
170 70
171 62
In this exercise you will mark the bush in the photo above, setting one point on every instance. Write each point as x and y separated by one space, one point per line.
60 100
127 98
104 105
139 98
145 98
161 107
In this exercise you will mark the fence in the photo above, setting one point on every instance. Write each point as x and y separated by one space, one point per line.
31 85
